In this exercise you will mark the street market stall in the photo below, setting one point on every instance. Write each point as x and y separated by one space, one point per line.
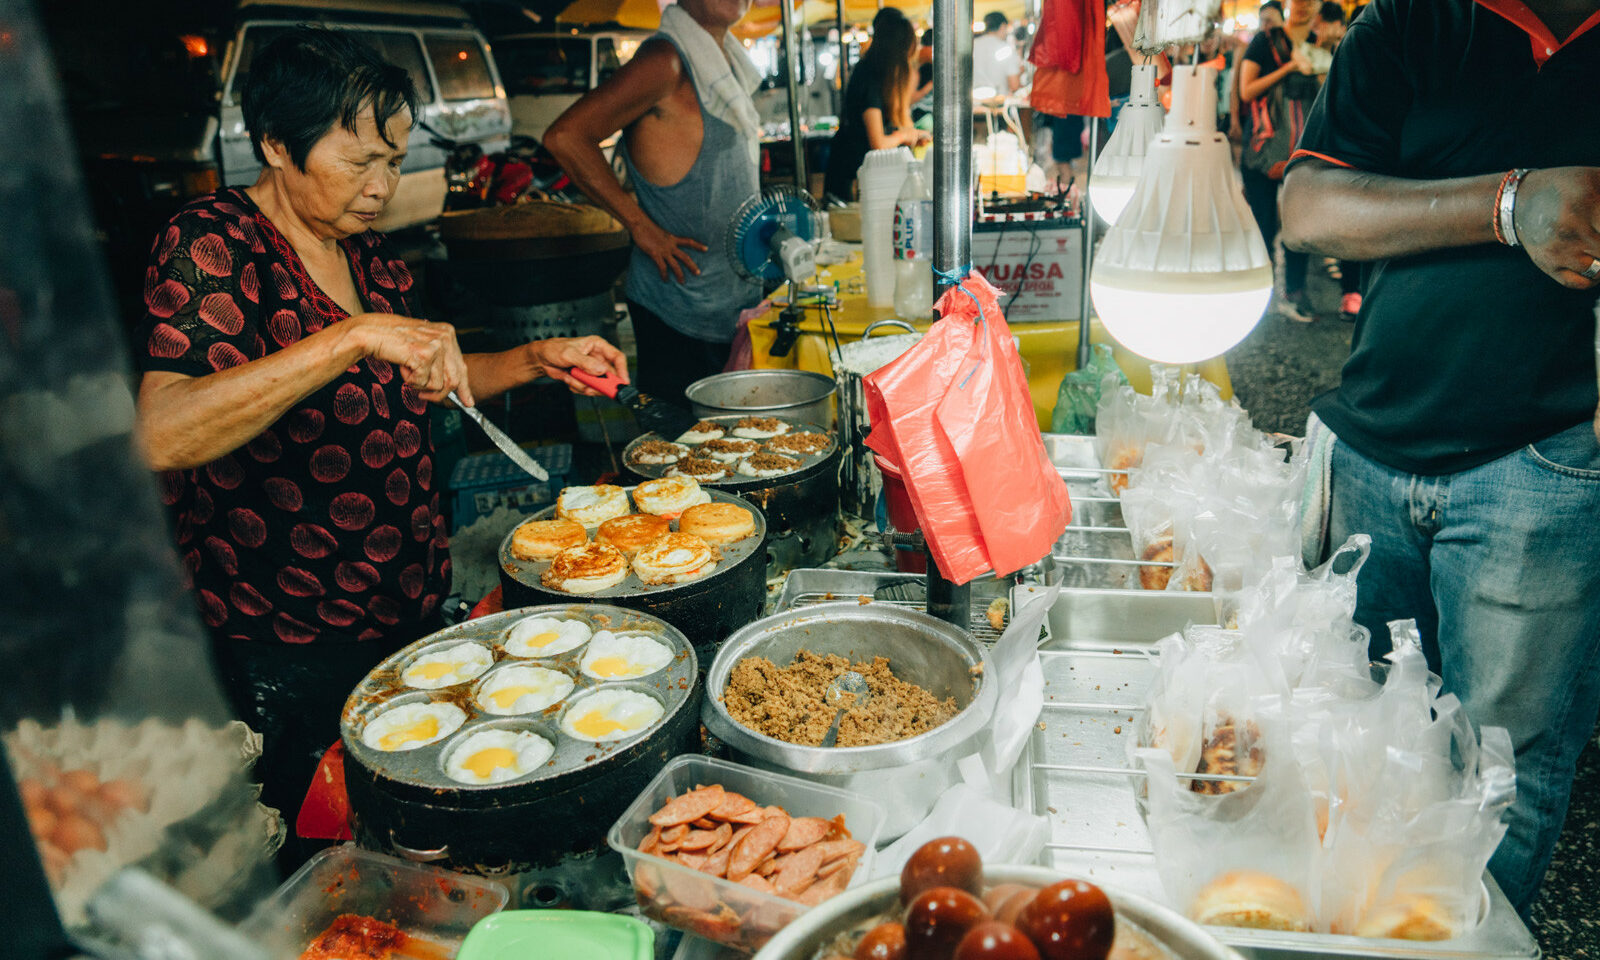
1116 717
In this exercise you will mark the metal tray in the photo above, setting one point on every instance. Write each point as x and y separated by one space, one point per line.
1095 552
424 766
1098 663
529 571
734 480
808 587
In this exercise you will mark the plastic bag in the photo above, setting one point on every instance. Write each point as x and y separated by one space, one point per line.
1000 833
954 413
1078 399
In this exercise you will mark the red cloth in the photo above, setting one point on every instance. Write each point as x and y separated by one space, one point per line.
1069 56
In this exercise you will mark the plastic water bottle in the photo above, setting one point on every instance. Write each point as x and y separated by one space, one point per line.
913 246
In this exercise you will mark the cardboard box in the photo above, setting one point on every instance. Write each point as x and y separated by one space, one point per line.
1037 265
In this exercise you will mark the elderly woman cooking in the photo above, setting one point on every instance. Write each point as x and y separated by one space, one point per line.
285 396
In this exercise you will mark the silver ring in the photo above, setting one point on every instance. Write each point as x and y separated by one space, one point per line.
1593 271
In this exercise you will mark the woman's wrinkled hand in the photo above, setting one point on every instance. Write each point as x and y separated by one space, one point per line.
1557 217
667 250
427 354
594 355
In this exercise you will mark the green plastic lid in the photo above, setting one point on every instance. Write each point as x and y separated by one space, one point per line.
536 934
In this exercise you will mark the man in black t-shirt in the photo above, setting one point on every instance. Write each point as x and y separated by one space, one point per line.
1456 145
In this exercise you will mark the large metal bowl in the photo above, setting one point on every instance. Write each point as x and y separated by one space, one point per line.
792 394
1176 936
906 775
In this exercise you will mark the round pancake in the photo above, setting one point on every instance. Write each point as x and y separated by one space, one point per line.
675 558
760 428
659 452
586 569
718 522
798 444
543 539
633 533
592 506
668 496
727 450
701 432
768 465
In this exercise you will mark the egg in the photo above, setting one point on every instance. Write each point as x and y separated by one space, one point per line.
495 756
546 637
624 656
412 725
523 689
443 668
610 715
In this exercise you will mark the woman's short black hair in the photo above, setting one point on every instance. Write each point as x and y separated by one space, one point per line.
310 78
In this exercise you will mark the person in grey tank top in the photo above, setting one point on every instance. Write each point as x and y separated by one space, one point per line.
689 146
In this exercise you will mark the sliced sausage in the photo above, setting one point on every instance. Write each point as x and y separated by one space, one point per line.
798 872
721 837
803 832
733 805
756 846
757 882
689 807
838 849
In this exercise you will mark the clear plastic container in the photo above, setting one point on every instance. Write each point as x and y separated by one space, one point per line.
436 907
711 907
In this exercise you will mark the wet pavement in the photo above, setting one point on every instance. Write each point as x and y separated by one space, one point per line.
1276 372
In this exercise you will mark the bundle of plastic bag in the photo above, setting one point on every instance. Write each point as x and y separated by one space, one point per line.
1417 808
1078 399
953 413
1385 816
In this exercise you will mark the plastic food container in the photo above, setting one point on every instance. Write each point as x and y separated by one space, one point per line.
714 908
523 934
435 906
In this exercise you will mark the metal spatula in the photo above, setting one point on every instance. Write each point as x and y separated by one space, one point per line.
507 446
668 421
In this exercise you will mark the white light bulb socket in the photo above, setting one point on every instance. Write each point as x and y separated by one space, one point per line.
1117 168
1183 274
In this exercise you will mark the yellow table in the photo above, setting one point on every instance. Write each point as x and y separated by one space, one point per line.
1050 350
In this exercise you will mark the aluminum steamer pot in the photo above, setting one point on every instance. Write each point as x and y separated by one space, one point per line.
403 802
802 508
706 610
793 394
906 776
1174 935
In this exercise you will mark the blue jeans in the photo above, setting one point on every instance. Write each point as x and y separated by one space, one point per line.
1500 567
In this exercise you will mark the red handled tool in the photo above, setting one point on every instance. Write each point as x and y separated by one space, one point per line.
664 419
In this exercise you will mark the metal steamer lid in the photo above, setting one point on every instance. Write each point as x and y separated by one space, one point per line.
528 572
422 770
810 464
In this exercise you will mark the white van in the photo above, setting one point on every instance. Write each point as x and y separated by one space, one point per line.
545 73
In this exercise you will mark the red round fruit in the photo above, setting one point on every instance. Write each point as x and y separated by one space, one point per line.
886 941
994 940
945 862
937 920
1069 920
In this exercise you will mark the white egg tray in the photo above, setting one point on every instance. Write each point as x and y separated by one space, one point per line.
735 480
528 572
425 766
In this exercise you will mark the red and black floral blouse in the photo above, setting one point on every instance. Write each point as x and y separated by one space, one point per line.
326 527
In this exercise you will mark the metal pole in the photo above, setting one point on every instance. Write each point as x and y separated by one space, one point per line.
791 62
952 209
1087 214
952 135
844 50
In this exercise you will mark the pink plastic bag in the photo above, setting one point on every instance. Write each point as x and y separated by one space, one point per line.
955 413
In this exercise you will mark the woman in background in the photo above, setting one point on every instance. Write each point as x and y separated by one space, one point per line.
877 102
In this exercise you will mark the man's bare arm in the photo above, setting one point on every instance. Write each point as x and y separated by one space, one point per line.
574 139
1353 215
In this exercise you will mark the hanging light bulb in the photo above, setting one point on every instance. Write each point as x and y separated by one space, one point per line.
1183 274
1117 169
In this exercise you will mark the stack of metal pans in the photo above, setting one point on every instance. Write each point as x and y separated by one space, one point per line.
706 610
407 802
802 507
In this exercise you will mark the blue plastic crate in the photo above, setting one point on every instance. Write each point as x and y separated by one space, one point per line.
485 481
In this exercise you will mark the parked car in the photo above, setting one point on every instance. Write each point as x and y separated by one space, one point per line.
545 73
153 93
